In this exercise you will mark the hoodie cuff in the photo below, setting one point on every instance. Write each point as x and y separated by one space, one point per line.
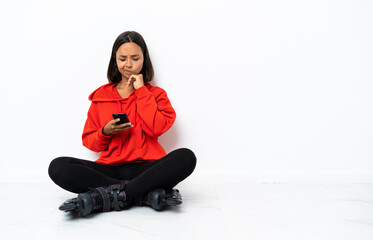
102 137
142 91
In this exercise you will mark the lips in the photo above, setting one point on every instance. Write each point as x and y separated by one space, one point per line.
128 72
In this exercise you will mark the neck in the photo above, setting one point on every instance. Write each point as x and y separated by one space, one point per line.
122 84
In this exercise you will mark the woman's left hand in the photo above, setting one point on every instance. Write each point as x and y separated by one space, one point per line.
136 80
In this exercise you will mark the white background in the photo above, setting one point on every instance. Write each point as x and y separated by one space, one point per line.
261 88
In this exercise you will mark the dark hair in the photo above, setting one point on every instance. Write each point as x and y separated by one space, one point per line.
147 71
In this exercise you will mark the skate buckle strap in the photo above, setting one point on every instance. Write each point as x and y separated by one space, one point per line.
105 198
118 204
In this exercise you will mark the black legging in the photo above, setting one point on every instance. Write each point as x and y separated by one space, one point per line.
77 175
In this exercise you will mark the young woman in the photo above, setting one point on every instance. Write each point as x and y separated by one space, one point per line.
133 168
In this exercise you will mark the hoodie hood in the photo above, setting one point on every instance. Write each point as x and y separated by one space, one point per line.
105 93
108 93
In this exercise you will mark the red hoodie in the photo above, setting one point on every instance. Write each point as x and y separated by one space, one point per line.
148 109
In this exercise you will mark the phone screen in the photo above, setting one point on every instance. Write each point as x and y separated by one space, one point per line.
122 116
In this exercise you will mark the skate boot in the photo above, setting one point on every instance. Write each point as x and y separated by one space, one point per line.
101 199
160 198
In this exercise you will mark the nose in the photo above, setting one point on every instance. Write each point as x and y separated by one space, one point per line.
128 63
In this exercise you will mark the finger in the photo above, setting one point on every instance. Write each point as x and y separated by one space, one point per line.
123 129
128 127
114 122
133 77
130 80
123 126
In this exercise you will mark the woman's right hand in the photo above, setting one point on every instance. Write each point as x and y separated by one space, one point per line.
112 128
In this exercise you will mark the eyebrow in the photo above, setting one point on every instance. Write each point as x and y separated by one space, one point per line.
135 55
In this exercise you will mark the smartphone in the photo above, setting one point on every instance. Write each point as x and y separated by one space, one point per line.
122 116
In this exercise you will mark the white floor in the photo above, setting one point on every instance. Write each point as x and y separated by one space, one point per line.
209 211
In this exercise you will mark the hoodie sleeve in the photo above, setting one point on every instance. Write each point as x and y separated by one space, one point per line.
155 111
92 137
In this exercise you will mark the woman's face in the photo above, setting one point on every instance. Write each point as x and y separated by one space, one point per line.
129 59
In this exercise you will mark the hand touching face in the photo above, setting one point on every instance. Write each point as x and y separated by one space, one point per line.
136 81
